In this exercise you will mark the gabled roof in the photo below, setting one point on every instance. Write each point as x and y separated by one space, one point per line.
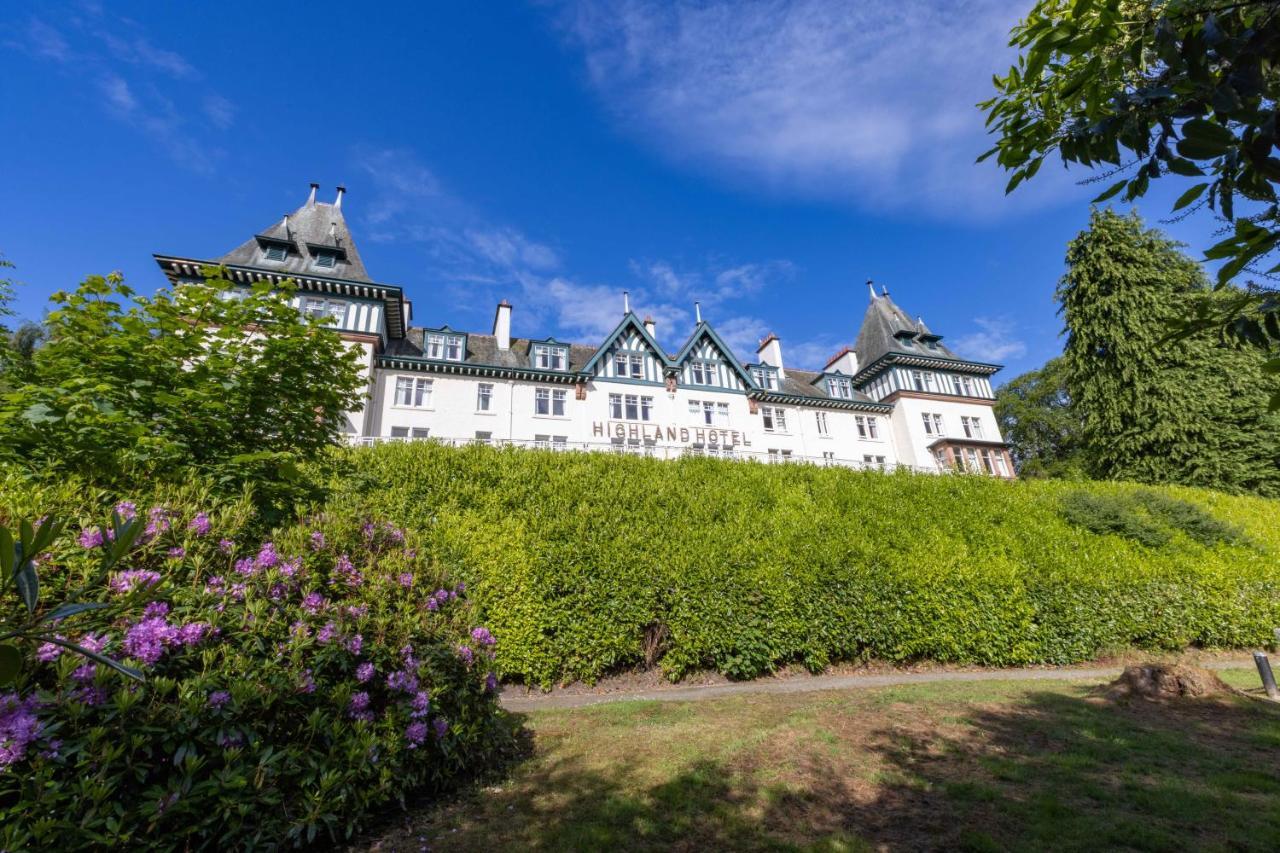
629 321
704 330
884 327
310 228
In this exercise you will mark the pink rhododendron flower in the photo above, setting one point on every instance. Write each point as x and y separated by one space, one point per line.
19 726
313 603
127 510
226 546
415 734
123 582
406 579
90 537
200 524
317 540
364 672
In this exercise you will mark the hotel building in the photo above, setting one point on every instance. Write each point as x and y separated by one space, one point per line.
897 397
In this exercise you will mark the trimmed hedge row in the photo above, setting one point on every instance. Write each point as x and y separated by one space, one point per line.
574 559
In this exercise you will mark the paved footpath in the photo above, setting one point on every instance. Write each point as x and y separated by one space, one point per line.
516 699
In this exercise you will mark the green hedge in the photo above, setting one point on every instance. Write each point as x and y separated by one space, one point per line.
573 557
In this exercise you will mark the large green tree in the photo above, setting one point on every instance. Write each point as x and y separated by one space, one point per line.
1042 427
207 377
1190 410
1141 89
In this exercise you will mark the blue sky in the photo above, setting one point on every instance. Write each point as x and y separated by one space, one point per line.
764 158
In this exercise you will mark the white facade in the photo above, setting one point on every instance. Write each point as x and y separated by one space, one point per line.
897 397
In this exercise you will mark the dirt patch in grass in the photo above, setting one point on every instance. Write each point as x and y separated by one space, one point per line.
976 766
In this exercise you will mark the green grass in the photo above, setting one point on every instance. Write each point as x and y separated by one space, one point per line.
964 766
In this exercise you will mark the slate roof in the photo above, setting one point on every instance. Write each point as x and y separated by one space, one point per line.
482 351
313 226
881 326
808 385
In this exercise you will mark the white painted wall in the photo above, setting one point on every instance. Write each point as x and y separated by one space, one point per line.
452 415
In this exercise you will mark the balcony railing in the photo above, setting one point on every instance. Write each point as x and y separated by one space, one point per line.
654 451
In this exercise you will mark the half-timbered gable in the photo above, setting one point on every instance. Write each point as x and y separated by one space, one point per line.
629 354
706 362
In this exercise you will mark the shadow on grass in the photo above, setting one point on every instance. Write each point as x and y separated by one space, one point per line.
1047 771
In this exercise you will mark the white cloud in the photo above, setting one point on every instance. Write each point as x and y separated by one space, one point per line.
136 82
44 41
811 354
118 95
135 49
479 260
993 343
220 111
870 103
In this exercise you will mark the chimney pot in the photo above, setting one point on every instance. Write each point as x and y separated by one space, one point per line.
650 327
311 199
770 353
338 201
626 302
697 312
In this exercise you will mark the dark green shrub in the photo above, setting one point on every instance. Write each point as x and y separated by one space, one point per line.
1113 514
573 558
291 687
1190 519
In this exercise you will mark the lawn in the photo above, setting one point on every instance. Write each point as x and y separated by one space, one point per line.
977 766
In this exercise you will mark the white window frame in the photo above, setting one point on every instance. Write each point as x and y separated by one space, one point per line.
773 418
443 346
550 399
413 392
840 387
484 397
549 357
821 418
331 311
765 378
933 424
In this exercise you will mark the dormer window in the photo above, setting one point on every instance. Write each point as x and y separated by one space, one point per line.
325 260
550 357
840 386
445 346
765 378
275 252
907 343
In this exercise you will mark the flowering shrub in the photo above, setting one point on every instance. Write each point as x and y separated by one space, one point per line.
290 686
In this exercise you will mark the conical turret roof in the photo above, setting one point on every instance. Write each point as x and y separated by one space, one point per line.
314 228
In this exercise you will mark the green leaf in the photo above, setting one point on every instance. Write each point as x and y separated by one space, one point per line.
1271 366
62 611
1204 130
10 663
1111 192
1179 166
1189 196
28 585
1198 149
7 553
94 656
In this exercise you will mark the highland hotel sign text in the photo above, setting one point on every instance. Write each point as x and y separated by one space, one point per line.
671 434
